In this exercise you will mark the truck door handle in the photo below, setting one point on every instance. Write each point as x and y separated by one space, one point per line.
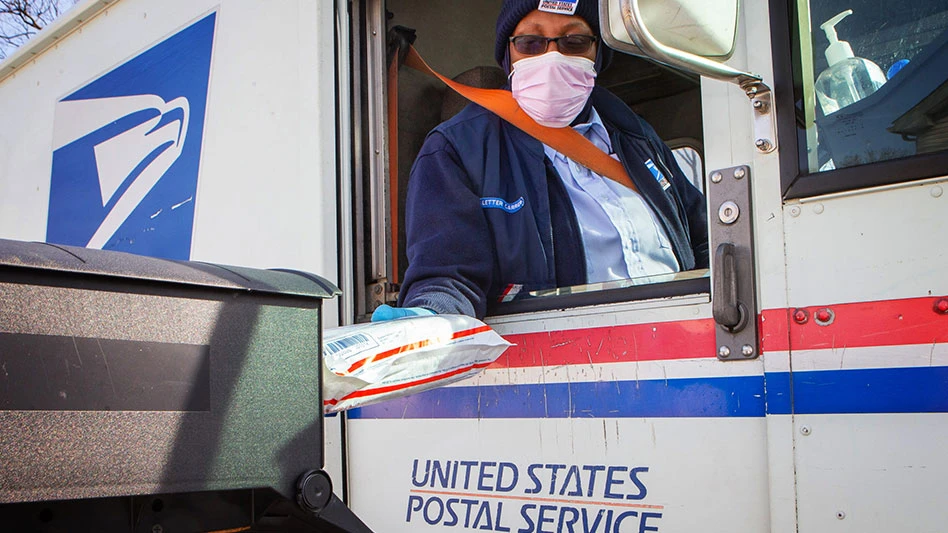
730 313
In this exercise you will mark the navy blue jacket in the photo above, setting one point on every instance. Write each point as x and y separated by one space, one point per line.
486 209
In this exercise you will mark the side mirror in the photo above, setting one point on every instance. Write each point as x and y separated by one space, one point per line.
692 35
702 27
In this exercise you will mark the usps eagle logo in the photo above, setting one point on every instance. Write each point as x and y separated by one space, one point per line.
127 149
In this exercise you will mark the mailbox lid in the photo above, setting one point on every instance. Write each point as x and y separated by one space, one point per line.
39 256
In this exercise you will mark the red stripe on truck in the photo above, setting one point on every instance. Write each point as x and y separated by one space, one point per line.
853 325
657 341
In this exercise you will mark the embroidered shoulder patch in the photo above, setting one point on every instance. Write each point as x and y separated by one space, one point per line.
500 203
562 7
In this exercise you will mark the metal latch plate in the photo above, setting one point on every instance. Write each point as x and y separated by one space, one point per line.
732 237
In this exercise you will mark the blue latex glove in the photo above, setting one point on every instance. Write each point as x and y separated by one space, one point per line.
387 312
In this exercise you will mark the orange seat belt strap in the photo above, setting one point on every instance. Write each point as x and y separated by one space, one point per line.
564 140
393 161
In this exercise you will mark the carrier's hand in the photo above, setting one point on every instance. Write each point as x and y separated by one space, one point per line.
387 312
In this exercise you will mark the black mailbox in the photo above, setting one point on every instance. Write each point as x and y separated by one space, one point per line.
141 394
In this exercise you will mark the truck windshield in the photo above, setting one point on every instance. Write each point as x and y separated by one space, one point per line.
870 81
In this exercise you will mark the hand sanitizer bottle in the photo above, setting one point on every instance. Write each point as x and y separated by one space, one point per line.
848 78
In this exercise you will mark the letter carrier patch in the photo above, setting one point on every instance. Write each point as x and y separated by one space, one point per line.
499 203
562 7
659 177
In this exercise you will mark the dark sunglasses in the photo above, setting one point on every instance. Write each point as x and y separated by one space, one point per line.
571 45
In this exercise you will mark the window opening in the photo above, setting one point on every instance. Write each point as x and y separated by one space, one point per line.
667 99
689 159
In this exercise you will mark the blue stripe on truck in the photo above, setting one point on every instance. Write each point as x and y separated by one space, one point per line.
880 390
873 390
696 397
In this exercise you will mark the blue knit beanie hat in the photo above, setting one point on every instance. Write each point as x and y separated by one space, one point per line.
513 11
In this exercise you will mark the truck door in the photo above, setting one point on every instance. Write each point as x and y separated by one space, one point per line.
623 406
863 165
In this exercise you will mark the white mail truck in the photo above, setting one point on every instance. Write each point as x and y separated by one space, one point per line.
798 385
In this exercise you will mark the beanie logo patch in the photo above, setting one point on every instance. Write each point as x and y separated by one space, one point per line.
560 7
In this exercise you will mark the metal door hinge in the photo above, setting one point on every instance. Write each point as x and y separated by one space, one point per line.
381 292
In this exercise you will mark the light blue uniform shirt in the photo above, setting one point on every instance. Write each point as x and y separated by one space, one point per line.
621 235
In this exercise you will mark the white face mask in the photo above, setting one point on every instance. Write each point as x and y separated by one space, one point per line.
553 88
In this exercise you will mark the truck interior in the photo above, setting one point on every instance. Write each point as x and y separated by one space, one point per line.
457 40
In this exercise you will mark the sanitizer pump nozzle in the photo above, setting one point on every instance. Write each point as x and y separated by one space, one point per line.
837 50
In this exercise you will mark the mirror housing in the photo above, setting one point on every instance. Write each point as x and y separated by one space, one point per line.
691 35
706 28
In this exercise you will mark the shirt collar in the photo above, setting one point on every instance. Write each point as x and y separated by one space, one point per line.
594 130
